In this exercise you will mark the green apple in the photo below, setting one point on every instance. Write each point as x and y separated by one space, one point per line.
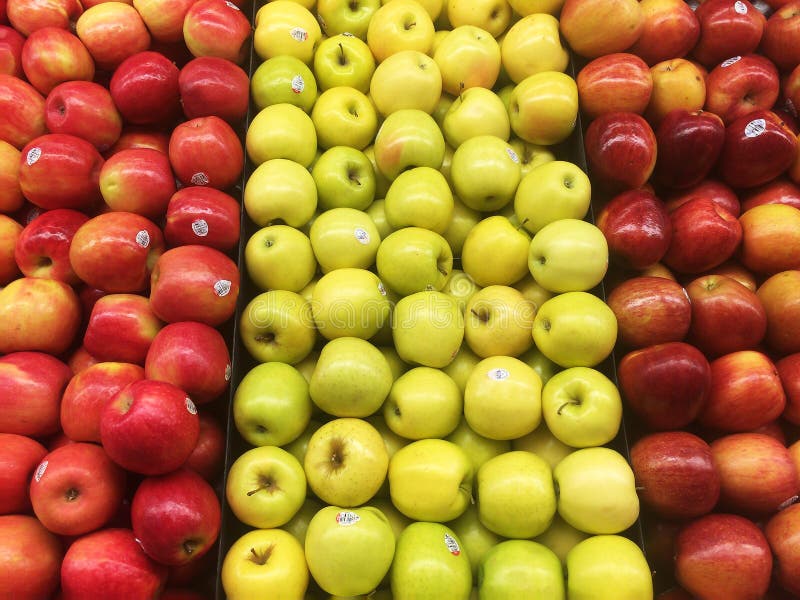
298 524
445 101
530 155
498 321
502 398
475 538
396 364
349 550
423 403
265 487
344 60
350 302
381 181
597 491
508 246
544 367
544 444
461 223
281 131
429 562
399 25
346 16
575 329
344 116
608 567
543 108
478 448
485 172
561 537
582 407
344 178
280 190
554 190
280 257
468 57
520 569
430 480
406 80
397 520
352 378
344 238
346 462
461 366
377 212
271 405
285 28
533 45
299 445
408 138
533 291
277 326
516 496
419 197
413 259
475 111
265 559
427 329
283 79
568 255
461 287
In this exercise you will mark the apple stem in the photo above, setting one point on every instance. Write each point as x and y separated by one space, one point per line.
522 224
263 557
461 87
565 404
342 58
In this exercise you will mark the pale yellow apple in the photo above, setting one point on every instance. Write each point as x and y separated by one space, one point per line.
468 57
400 25
476 111
543 108
532 45
281 131
492 15
285 27
280 189
406 79
508 246
677 83
498 321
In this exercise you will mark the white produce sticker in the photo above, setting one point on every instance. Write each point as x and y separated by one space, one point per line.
498 374
362 235
346 518
199 178
40 471
731 61
452 544
382 288
143 238
231 5
512 155
228 372
34 154
298 84
298 34
200 227
740 7
755 128
222 287
190 406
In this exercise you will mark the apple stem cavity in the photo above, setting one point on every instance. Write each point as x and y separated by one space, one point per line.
189 547
261 558
71 494
481 315
265 482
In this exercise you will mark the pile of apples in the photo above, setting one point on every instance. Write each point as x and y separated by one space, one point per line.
121 158
692 143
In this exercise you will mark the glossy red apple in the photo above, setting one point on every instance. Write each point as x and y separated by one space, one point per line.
789 372
42 249
52 55
618 82
30 558
86 110
145 89
778 191
138 180
217 28
135 136
19 456
721 193
781 40
208 456
11 42
206 151
742 85
670 30
23 112
121 328
783 534
164 18
780 296
770 238
26 16
734 269
210 85
112 31
203 215
727 29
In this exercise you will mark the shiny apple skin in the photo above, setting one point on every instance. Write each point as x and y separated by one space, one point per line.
682 134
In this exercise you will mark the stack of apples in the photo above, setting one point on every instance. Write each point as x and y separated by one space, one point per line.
423 407
121 152
692 144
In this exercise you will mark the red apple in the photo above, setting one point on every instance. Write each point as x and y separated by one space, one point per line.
11 42
780 296
110 564
116 251
723 556
19 456
735 270
121 328
210 85
80 360
76 489
30 558
150 427
790 90
770 238
208 456
721 193
619 82
670 30
86 110
217 28
783 534
774 429
11 198
112 31
52 55
206 151
778 191
789 372
26 16
194 283
164 18
88 392
10 231
203 215
134 136
742 85
43 246
675 476
727 29
781 40
726 315
597 27
145 89
138 180
22 108
665 385
176 517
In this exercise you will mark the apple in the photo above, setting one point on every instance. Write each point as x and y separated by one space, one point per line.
778 191
419 197
31 557
280 189
408 138
275 131
476 539
24 108
520 567
164 20
741 85
26 17
337 16
283 79
112 32
137 180
423 403
727 29
543 108
427 328
11 198
593 28
475 111
344 116
485 172
350 302
269 253
786 367
760 225
10 231
721 193
494 17
86 110
777 294
670 30
210 85
284 28
413 259
344 177
145 88
678 83
121 328
781 532
202 215
399 25
616 82
778 42
206 151
20 455
278 325
407 79
208 456
217 28
344 60
42 248
498 321
734 269
52 55
471 57
138 136
461 223
612 565
509 246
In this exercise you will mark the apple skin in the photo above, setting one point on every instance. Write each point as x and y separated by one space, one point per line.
30 558
650 311
727 29
23 110
723 554
637 226
782 531
594 28
780 296
137 180
86 110
210 85
206 151
665 385
789 372
780 190
52 55
145 89
27 16
770 238
121 328
164 18
11 198
202 215
670 30
19 456
779 42
138 136
618 82
741 85
112 32
675 475
208 457
42 249
721 193
11 42
217 28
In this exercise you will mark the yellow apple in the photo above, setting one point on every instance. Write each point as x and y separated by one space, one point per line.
406 79
493 16
344 116
543 108
281 131
508 246
344 237
532 45
280 189
285 27
468 57
554 190
677 83
419 197
399 25
476 111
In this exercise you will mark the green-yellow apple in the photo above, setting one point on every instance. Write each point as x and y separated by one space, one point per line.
429 562
478 448
381 181
265 559
344 237
277 326
475 111
344 116
397 520
516 495
271 405
344 60
346 16
575 329
408 138
283 27
298 524
521 569
349 302
498 321
608 567
419 197
396 364
299 445
377 212
413 259
561 537
508 246
399 25
468 57
265 487
597 491
543 108
344 178
431 480
568 255
485 173
281 131
491 15
461 223
391 440
533 291
503 398
427 328
423 403
279 257
280 189
543 366
383 337
283 79
527 7
475 538
445 101
406 79
533 45
544 444
349 550
530 155
461 366
351 379
582 407
461 287
432 7
554 190
346 462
